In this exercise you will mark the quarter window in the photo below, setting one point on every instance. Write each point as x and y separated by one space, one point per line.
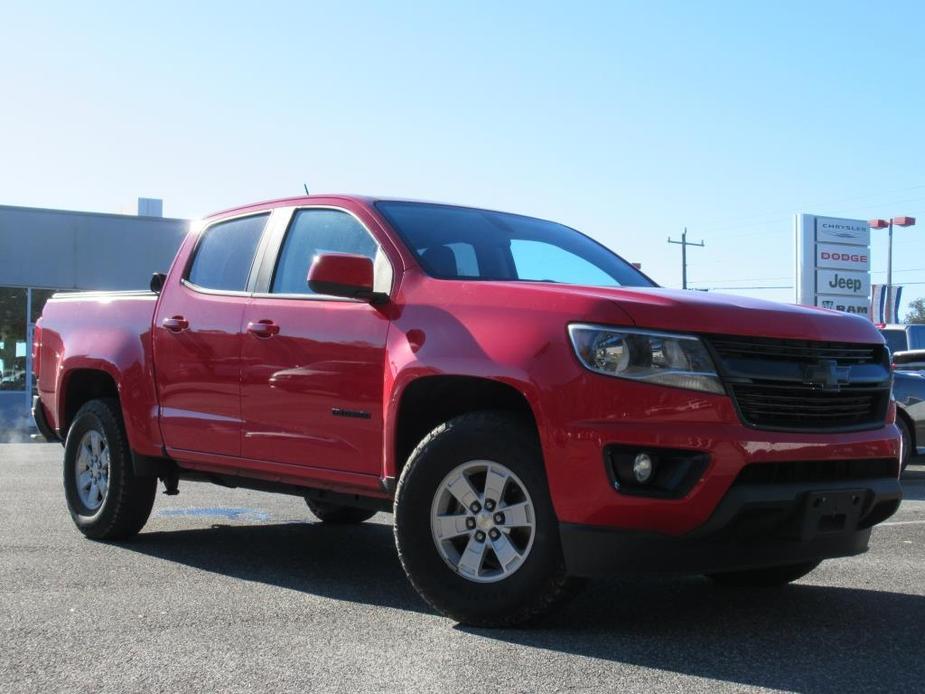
225 254
313 232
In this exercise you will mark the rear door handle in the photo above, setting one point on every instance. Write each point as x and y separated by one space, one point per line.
175 324
263 328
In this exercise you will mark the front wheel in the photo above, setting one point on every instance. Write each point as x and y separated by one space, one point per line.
106 499
768 577
474 524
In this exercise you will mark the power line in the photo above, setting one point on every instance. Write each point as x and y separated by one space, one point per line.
743 279
783 286
787 277
773 216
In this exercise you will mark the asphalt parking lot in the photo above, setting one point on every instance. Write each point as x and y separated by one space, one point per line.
241 591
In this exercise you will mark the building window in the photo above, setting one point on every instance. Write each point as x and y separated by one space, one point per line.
13 339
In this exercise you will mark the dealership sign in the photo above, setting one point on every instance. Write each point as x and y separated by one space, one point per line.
832 263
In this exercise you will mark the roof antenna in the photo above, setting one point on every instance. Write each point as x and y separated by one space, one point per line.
305 185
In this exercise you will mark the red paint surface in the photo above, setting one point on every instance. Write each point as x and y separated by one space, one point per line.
225 394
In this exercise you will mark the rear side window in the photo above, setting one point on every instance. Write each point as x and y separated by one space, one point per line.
313 232
225 254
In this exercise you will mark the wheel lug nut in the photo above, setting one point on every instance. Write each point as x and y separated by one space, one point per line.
479 536
499 518
494 534
489 505
470 523
475 507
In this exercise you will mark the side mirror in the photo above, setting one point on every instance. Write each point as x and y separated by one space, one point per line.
343 274
157 282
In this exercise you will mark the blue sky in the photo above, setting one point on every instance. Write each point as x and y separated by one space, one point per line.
625 120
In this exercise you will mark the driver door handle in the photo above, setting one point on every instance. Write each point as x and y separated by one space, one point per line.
263 328
175 324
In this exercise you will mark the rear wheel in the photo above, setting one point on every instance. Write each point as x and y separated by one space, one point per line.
474 524
338 515
106 500
907 442
772 576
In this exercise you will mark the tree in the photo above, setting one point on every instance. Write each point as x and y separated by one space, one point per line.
917 312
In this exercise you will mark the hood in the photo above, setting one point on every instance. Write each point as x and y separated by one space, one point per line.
674 310
677 310
706 312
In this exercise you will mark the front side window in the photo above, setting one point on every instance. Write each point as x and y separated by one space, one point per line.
310 233
225 254
466 243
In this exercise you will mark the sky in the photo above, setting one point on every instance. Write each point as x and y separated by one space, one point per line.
627 120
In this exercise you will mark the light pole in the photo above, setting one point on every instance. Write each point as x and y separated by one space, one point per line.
882 224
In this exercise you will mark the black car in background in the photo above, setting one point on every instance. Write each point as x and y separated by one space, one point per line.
909 391
907 347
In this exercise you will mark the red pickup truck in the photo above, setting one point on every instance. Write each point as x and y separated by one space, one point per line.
531 407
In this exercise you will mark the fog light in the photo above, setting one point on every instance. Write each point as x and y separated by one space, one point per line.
642 467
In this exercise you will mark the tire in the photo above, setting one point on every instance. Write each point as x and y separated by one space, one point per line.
907 442
338 515
769 577
493 594
123 508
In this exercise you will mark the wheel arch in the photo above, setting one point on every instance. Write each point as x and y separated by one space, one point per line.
78 387
430 400
910 425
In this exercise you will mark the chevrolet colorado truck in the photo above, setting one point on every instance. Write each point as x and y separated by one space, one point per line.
532 408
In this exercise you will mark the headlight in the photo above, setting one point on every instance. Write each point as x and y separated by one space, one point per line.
681 361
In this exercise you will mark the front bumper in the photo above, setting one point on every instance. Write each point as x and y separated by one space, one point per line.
593 412
41 422
754 526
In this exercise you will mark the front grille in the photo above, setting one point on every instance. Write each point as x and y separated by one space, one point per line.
773 384
802 351
781 407
792 472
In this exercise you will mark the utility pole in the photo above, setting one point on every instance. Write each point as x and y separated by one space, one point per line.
684 243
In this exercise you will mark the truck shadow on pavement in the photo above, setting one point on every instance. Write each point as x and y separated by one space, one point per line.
802 637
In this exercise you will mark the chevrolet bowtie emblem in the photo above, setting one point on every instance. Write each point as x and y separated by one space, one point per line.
825 375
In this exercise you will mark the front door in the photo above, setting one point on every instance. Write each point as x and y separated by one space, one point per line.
312 366
197 340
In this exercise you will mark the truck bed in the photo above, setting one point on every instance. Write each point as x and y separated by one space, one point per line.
102 331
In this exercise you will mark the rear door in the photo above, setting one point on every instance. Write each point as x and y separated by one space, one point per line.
312 365
197 338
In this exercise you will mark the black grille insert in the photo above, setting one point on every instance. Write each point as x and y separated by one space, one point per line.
801 407
816 471
776 383
801 351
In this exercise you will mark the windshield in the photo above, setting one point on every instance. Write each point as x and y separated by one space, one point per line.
464 243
